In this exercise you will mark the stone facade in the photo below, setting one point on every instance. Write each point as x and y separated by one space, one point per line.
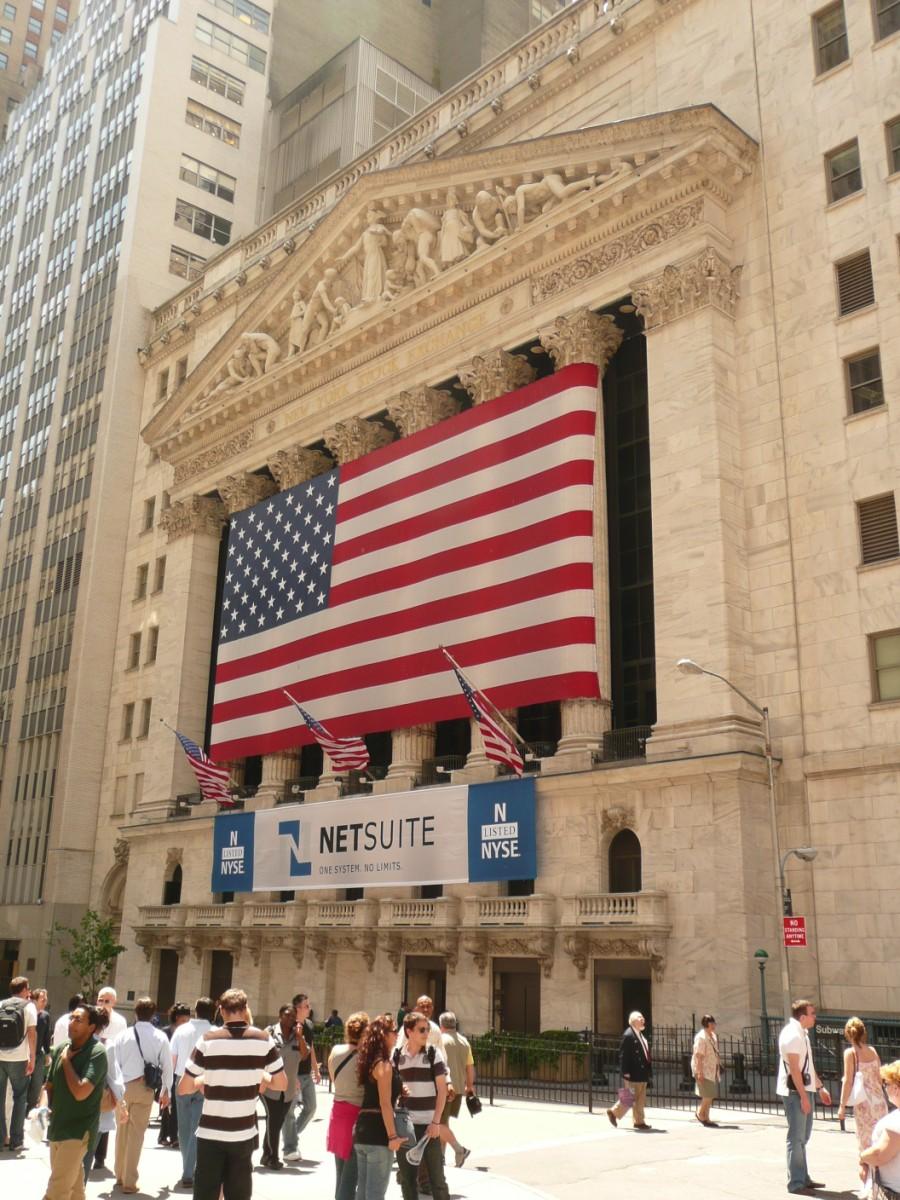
580 207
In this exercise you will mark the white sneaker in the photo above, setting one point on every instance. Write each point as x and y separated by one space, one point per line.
294 1156
461 1155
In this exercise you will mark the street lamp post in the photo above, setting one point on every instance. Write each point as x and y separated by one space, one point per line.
761 958
689 667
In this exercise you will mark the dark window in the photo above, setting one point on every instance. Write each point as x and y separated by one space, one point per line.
354 893
453 738
520 887
878 528
893 142
172 887
625 862
540 726
379 747
431 891
830 37
886 665
856 288
311 761
887 17
864 382
842 171
221 967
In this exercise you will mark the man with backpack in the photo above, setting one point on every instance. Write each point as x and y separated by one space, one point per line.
18 1041
423 1070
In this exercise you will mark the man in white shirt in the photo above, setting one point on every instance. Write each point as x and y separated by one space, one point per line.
425 1006
141 1045
797 1085
18 1040
190 1106
115 1026
61 1028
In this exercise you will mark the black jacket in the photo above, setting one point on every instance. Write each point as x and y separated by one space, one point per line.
635 1063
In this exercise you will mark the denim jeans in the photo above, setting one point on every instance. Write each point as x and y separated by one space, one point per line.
189 1110
346 1176
18 1081
799 1128
294 1124
373 1165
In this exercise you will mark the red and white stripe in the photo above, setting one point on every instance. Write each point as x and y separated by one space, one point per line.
475 533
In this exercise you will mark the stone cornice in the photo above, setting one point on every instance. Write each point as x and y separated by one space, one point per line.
704 279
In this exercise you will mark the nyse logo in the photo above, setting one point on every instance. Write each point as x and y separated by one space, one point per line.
291 829
500 839
233 860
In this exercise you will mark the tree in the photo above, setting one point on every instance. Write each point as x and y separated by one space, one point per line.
93 951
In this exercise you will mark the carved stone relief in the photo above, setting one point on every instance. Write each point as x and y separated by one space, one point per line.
420 408
194 515
298 464
490 375
705 279
121 850
581 947
244 490
582 336
213 456
615 818
351 439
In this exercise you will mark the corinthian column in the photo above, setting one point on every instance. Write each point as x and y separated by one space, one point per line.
409 749
420 408
583 336
296 464
495 373
277 770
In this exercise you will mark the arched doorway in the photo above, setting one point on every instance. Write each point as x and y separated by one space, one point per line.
625 862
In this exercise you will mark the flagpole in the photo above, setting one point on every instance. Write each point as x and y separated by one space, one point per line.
509 726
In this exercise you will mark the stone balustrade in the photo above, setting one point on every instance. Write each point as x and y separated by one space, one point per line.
287 915
215 916
440 913
162 916
617 908
487 912
342 914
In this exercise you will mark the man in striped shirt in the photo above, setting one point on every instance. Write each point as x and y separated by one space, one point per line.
230 1066
423 1070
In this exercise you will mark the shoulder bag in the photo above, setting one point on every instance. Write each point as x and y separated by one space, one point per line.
153 1076
858 1093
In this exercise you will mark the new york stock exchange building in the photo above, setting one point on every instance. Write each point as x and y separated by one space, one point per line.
562 376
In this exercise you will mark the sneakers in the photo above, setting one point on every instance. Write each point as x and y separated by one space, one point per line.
461 1155
293 1156
612 1117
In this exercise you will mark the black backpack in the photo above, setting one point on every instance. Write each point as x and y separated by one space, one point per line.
12 1023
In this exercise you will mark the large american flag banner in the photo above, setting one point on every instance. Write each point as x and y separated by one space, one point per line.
476 533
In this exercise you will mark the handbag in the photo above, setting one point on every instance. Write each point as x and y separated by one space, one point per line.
473 1104
153 1076
858 1093
404 1127
626 1097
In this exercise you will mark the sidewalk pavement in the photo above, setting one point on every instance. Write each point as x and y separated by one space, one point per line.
527 1151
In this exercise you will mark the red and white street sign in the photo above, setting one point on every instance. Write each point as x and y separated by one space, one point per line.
795 931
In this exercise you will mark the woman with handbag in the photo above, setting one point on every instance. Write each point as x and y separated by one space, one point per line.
348 1096
861 1086
882 1158
706 1067
375 1134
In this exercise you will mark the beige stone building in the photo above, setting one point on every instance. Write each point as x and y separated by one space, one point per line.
729 259
28 33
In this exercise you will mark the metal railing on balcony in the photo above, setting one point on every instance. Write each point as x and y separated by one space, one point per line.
437 770
622 745
295 789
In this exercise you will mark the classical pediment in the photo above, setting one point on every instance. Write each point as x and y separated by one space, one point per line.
406 247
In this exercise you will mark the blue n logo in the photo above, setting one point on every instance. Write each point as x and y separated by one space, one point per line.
291 829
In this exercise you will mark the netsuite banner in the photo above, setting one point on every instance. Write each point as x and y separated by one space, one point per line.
448 834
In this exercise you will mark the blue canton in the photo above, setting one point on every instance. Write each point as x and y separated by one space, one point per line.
279 559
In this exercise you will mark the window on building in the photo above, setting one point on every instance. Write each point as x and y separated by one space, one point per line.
893 143
216 124
856 288
625 862
30 50
229 43
137 794
4 61
394 103
5 35
140 586
38 5
61 14
120 794
146 707
208 178
887 17
172 886
250 14
9 11
162 385
878 528
185 264
148 515
127 722
864 383
830 37
885 652
842 171
202 223
134 652
217 80
159 574
181 368
152 644
34 26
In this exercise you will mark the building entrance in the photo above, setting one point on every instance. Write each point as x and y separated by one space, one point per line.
621 986
426 975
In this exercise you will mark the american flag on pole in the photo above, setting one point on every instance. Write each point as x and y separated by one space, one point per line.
347 754
476 533
214 781
498 745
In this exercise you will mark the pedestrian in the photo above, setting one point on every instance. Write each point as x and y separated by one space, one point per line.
424 1006
18 1042
634 1054
423 1072
861 1085
401 1013
882 1158
145 1061
179 1014
375 1137
43 1034
115 1086
61 1028
334 1021
75 1085
797 1086
277 1103
706 1067
348 1097
461 1068
302 1108
108 1033
230 1066
184 1039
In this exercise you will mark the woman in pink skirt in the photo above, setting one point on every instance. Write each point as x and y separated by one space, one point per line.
861 1061
348 1092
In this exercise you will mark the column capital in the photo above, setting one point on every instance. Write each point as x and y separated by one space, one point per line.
297 464
582 336
702 280
351 439
244 490
420 408
195 514
490 375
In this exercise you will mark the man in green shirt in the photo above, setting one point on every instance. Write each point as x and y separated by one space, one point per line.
75 1084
